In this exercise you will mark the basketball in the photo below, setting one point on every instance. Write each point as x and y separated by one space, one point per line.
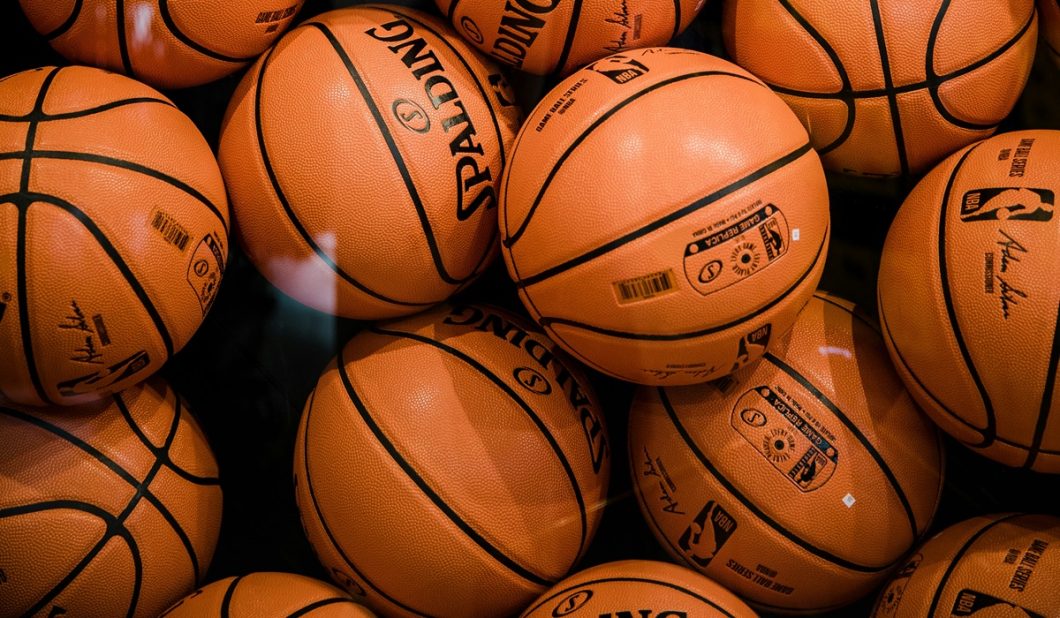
798 482
268 595
170 44
451 464
111 509
557 37
113 233
638 588
406 130
968 297
663 216
886 88
1050 13
993 566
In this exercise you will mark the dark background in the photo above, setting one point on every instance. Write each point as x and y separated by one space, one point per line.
249 370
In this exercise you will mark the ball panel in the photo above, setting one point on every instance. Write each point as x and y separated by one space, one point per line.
606 28
986 95
106 586
15 383
921 115
240 29
48 15
962 42
871 147
902 34
1049 11
831 120
98 24
21 91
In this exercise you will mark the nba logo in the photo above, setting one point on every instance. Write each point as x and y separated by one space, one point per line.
619 69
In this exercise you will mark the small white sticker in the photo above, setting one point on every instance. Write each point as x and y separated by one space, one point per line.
849 500
795 234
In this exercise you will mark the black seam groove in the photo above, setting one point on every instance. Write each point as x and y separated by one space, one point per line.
515 236
318 604
69 23
553 444
990 432
226 601
631 580
888 82
852 428
123 44
1045 409
43 117
935 82
667 219
568 41
399 160
546 321
844 77
291 216
167 19
677 20
749 505
452 11
427 490
126 414
324 524
957 558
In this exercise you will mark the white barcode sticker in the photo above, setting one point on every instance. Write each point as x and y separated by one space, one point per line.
643 288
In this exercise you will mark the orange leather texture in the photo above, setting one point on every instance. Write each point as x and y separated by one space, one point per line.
638 588
1049 11
799 481
362 155
478 455
111 509
268 595
907 82
166 43
113 233
992 565
697 242
968 297
550 36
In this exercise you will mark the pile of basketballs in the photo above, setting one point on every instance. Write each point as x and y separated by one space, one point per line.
662 216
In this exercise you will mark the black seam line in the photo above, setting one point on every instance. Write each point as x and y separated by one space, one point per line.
568 41
134 501
666 220
425 487
470 71
123 44
323 522
114 527
546 321
123 164
875 93
321 603
291 216
22 266
935 82
510 392
749 505
226 601
167 19
1047 397
852 428
399 160
854 314
123 408
514 237
631 580
888 83
115 257
43 117
837 62
677 20
452 11
990 432
69 23
957 558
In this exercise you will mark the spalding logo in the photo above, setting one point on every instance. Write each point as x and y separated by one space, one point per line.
572 603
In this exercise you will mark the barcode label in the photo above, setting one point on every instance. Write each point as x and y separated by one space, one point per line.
171 231
643 288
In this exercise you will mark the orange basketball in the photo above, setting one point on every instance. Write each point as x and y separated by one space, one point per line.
797 482
968 297
664 216
113 233
268 595
111 509
362 155
451 464
168 43
547 36
638 588
1050 12
888 88
998 566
